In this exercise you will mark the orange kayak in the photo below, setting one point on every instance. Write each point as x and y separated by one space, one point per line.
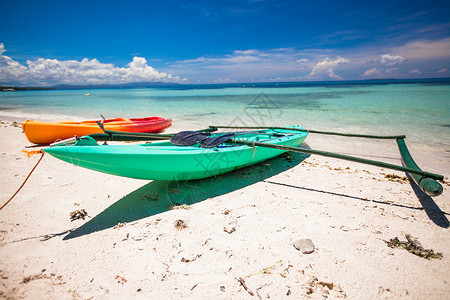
48 132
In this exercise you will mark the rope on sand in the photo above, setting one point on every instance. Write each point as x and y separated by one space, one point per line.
25 178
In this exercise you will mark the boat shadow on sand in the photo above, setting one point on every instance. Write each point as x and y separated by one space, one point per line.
160 196
429 205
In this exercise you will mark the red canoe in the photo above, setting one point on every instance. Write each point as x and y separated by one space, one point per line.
47 132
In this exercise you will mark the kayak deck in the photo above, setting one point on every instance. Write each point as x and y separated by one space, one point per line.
164 161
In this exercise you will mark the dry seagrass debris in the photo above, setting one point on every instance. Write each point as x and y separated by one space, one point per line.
119 224
324 287
190 260
180 224
120 279
262 286
329 285
446 182
229 230
78 214
287 156
179 206
42 275
286 271
396 178
413 246
242 282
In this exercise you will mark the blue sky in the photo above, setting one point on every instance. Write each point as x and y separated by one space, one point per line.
95 42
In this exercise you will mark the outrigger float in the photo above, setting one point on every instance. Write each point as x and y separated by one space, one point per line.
188 154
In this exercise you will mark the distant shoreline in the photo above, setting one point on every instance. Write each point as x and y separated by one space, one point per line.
15 88
434 81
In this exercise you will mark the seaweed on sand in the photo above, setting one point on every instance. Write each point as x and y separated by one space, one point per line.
413 246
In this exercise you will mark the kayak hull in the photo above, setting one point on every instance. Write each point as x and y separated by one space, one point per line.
48 132
164 161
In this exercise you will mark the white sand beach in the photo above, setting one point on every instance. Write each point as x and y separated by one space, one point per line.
229 237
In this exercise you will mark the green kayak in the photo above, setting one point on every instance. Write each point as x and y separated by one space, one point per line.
164 161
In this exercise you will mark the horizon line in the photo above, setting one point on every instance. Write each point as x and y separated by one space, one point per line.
162 84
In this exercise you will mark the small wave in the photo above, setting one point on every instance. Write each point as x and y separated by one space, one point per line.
19 116
200 114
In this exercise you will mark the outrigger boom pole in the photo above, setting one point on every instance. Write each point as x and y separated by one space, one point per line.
425 180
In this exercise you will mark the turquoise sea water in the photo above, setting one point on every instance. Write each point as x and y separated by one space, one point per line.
421 110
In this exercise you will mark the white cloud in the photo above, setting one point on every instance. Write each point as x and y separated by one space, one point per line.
371 72
391 71
375 73
225 80
391 60
442 71
239 59
9 69
52 72
290 64
246 52
425 50
247 65
324 68
415 72
331 75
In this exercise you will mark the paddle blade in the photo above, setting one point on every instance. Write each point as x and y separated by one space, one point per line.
101 125
216 141
189 138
